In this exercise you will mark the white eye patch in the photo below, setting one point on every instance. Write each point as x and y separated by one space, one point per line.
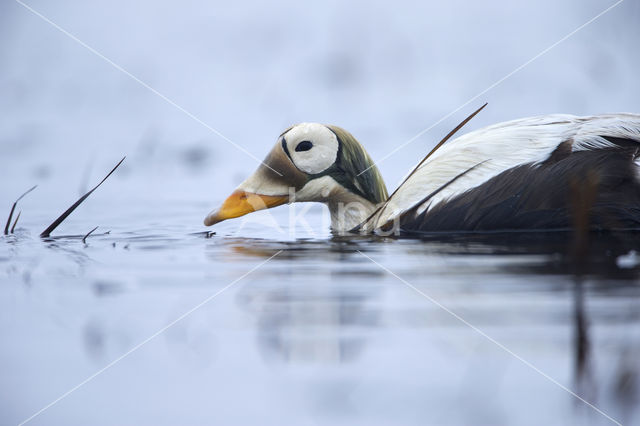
313 147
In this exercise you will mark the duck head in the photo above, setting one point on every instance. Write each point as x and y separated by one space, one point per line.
311 162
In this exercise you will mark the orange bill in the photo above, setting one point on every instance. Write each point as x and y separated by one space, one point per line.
240 203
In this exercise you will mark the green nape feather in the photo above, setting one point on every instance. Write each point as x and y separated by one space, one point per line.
353 160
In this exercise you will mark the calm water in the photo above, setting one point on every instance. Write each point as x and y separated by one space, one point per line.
319 333
441 331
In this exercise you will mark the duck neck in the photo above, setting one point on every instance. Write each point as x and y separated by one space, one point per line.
348 211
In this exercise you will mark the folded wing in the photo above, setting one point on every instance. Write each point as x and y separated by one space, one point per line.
526 146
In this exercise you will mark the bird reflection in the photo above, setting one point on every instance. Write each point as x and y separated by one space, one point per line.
328 307
328 326
302 319
580 254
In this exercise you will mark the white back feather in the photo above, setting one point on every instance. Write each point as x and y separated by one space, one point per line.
503 146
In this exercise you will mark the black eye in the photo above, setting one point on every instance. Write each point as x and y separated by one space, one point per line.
304 146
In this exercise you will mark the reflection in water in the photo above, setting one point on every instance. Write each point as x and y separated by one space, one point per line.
585 384
334 249
300 320
587 256
94 339
321 304
318 315
626 385
327 326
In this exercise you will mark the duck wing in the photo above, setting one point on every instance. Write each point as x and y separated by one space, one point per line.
537 152
600 185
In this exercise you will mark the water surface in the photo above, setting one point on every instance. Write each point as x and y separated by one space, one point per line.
445 330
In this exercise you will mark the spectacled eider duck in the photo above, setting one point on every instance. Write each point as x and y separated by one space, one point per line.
517 175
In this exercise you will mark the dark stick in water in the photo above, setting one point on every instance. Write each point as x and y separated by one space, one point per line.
13 208
84 239
70 210
16 221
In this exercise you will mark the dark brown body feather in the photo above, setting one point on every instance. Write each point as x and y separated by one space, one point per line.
544 196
